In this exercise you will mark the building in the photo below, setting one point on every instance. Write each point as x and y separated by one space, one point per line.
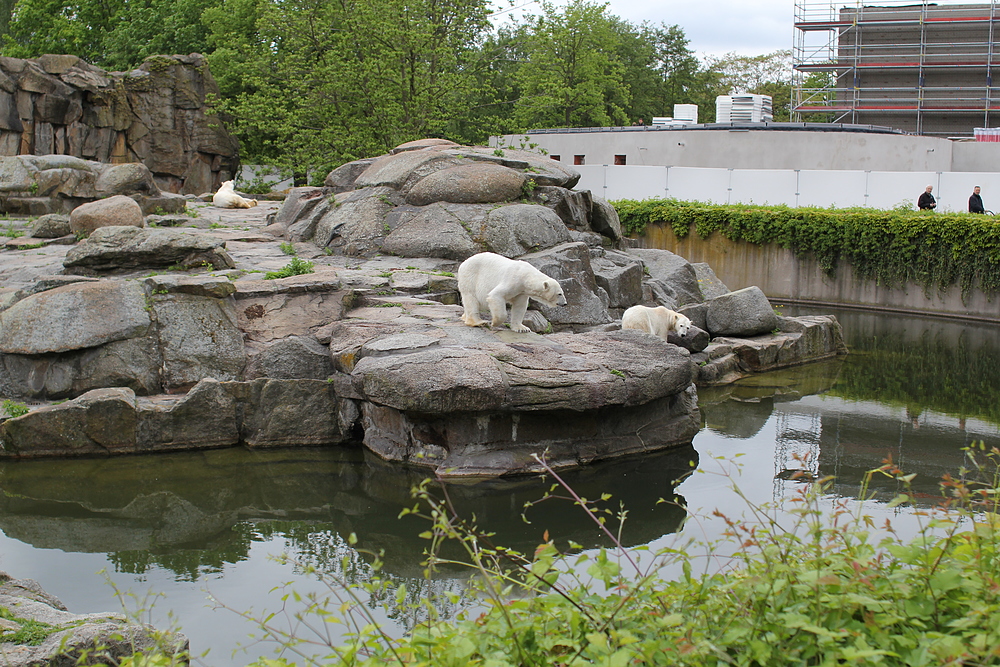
913 65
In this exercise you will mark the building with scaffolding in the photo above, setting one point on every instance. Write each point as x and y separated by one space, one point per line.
913 65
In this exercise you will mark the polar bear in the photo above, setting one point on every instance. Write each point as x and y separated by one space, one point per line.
492 280
226 197
659 321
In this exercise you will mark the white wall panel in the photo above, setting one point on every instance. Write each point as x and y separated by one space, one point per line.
699 184
840 189
763 186
635 182
592 178
956 186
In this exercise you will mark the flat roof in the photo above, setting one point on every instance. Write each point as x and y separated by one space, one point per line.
785 127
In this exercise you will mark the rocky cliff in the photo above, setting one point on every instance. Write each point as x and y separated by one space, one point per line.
156 114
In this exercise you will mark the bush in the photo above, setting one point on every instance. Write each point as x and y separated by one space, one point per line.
935 250
296 267
827 590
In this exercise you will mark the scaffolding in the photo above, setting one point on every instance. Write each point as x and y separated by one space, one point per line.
919 66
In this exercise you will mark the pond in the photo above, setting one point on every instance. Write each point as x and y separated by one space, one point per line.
168 531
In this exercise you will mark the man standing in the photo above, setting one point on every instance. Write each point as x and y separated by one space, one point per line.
976 202
926 201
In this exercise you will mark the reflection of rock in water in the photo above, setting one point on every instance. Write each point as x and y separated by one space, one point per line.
738 419
196 510
741 409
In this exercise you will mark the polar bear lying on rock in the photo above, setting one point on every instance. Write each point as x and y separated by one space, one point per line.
492 280
226 197
659 321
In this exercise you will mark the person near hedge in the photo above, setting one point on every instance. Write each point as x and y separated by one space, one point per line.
926 201
976 202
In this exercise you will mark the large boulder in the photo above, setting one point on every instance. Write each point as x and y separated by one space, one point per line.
672 273
745 312
116 211
81 315
117 248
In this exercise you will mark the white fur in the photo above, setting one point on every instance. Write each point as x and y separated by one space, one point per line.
226 197
493 281
659 321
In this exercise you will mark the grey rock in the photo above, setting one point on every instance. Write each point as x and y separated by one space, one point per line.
116 211
51 226
393 171
604 220
481 183
357 225
573 208
293 357
697 313
709 283
428 231
420 144
134 363
343 177
199 338
621 277
296 413
117 248
569 263
125 179
207 416
73 317
673 271
745 312
695 339
515 229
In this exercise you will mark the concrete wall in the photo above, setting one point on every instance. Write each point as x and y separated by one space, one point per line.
781 275
764 149
792 187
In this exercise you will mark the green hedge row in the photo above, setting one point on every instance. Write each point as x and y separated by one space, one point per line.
935 250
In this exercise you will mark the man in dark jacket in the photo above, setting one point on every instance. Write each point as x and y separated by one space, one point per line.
976 202
926 201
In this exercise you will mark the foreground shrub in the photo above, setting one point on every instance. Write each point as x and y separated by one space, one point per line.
830 588
935 250
296 267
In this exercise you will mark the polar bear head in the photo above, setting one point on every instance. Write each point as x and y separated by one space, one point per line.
226 186
682 325
549 291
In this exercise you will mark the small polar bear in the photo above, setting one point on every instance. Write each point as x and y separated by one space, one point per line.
492 280
659 321
226 197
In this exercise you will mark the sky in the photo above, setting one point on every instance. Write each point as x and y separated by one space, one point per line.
715 27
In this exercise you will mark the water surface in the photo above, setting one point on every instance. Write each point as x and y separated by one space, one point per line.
188 525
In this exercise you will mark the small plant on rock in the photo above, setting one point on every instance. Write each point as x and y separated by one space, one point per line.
296 267
287 248
15 409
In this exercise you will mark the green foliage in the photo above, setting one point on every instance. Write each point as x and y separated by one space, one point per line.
821 588
30 633
10 232
296 267
15 409
287 248
889 247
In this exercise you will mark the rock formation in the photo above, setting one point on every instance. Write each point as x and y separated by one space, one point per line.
74 639
154 115
369 346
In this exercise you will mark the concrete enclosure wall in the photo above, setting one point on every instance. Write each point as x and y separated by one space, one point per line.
792 187
782 275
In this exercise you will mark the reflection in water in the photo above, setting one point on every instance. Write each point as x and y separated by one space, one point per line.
193 512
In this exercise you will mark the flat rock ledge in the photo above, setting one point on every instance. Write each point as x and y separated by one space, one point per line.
75 639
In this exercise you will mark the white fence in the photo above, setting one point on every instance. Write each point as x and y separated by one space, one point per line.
794 187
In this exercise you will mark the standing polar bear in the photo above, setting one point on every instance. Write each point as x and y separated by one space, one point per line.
226 197
659 321
492 280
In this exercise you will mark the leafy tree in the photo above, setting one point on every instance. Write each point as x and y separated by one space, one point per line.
114 34
573 76
318 82
767 74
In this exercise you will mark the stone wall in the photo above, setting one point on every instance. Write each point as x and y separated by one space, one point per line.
155 114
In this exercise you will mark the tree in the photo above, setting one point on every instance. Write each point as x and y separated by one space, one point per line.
572 76
314 83
767 74
113 34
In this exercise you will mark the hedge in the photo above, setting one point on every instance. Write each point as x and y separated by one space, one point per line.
935 250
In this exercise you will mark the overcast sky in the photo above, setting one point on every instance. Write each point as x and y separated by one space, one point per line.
716 27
